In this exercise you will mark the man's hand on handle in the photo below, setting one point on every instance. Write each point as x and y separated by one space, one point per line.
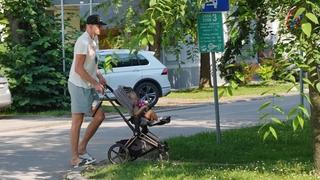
99 88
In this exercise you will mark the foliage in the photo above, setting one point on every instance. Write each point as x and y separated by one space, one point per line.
154 22
296 49
265 72
248 17
302 47
32 60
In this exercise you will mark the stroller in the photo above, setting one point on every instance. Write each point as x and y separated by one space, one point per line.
143 141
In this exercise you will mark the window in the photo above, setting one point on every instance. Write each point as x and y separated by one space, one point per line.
124 60
142 60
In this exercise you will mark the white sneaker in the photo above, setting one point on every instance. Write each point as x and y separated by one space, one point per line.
89 159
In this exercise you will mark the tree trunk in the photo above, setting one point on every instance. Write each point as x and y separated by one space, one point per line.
157 41
315 119
14 26
205 71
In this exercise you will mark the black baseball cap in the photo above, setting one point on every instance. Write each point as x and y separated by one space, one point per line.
95 19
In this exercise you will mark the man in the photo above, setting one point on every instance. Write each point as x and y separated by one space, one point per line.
84 82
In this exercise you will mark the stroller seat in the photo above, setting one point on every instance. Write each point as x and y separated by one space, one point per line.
125 101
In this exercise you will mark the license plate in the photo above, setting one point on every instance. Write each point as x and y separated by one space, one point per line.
1 85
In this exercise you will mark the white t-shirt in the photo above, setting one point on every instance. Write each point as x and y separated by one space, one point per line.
87 46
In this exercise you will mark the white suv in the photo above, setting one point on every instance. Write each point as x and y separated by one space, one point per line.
5 95
142 71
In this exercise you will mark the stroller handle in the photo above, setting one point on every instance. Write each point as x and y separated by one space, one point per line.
108 87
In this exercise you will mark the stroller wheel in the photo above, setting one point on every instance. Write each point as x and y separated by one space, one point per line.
118 153
164 156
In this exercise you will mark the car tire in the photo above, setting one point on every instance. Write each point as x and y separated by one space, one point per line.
148 91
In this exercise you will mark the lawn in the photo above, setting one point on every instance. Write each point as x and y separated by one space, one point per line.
242 155
249 90
107 107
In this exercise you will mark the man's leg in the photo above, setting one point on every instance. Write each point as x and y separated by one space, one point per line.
77 119
91 130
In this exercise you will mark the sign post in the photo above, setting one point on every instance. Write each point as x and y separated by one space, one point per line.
210 33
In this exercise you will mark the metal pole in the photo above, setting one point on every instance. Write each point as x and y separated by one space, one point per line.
301 87
62 39
301 84
90 7
216 98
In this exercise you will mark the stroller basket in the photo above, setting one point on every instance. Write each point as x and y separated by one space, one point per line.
142 142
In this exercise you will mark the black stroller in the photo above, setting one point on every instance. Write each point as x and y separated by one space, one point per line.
143 141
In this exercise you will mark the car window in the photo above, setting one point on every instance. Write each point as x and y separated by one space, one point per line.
142 60
123 60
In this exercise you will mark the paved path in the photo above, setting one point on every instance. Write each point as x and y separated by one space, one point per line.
33 148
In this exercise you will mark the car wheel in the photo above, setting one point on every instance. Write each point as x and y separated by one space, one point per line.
148 91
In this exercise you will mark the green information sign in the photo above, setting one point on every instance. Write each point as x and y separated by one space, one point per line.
210 31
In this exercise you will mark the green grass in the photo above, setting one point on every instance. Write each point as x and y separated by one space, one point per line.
249 90
242 155
56 113
108 108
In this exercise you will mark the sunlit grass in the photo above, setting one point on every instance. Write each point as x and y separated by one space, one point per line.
249 90
242 155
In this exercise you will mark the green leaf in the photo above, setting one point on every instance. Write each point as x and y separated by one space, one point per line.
153 22
144 42
307 98
266 134
229 91
273 132
278 108
295 124
221 93
277 120
292 112
150 39
264 115
301 121
318 86
299 12
307 81
291 78
304 111
307 28
264 105
312 17
152 2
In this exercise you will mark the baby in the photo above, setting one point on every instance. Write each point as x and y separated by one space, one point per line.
141 109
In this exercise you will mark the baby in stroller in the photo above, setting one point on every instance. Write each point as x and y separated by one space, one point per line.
141 108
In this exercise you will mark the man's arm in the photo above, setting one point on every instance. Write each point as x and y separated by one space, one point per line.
101 78
79 69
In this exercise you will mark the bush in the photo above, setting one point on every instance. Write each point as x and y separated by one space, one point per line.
32 60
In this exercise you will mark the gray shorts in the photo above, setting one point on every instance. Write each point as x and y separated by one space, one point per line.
81 98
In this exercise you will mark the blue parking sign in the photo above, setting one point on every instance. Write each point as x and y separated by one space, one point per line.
216 6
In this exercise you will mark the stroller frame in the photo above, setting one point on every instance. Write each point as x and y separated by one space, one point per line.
141 143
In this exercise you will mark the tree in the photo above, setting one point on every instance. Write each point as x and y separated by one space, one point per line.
159 24
300 44
32 60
